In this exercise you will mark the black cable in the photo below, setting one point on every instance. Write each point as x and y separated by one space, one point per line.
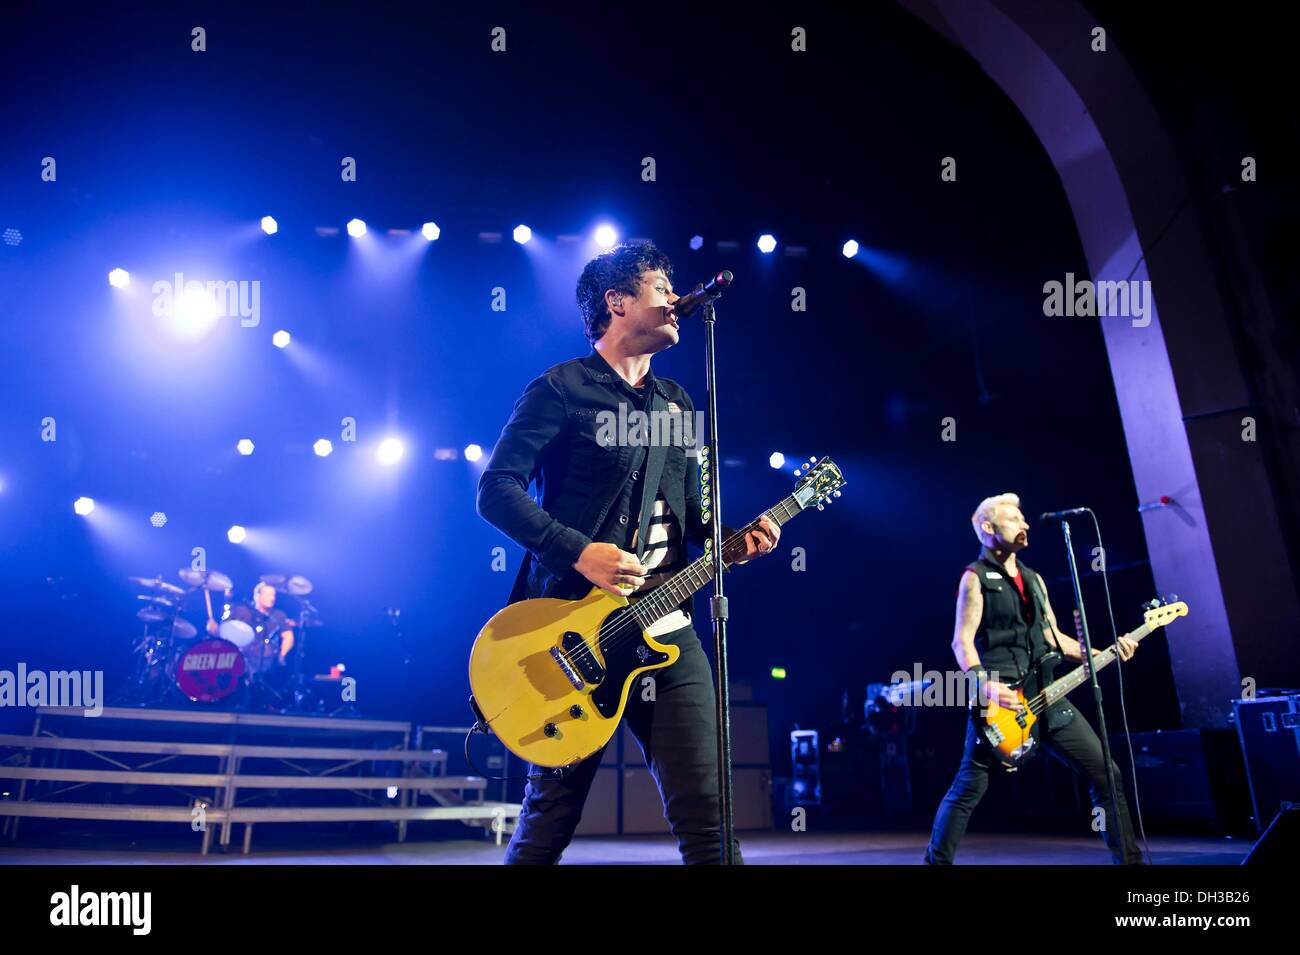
1123 707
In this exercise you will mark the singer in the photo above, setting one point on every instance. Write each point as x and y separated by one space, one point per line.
1004 621
618 516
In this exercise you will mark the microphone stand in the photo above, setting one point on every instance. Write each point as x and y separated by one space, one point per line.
718 604
1086 647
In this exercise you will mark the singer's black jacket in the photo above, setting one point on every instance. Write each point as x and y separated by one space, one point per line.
552 439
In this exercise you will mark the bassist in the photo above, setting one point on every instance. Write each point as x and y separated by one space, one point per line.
1004 623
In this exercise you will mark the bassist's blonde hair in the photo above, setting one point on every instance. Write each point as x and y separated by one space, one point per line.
988 509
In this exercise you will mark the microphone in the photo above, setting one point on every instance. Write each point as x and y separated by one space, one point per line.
1056 515
689 302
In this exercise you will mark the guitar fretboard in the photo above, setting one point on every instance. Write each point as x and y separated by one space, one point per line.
672 592
1077 677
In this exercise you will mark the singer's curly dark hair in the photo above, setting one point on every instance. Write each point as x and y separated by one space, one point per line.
620 269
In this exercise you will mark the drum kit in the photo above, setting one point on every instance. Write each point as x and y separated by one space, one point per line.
239 660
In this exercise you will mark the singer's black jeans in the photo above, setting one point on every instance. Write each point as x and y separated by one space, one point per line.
1075 744
678 736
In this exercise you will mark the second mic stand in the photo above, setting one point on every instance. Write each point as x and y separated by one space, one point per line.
718 604
1086 648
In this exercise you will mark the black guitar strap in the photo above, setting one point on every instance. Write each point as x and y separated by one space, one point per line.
656 455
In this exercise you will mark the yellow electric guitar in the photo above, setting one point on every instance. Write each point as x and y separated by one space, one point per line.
551 677
1014 733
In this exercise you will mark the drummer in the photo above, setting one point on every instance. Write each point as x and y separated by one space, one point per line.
262 616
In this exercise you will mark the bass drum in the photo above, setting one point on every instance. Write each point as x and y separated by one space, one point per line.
210 670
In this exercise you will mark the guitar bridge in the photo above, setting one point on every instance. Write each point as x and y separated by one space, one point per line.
566 668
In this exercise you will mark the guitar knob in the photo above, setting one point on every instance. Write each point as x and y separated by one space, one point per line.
550 729
575 711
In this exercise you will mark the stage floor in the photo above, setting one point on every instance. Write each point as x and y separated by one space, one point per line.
840 848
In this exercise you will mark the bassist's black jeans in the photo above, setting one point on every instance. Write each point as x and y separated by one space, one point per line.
678 736
1075 744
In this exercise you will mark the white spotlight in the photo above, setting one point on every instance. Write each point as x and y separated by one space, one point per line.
473 452
777 460
606 236
323 447
390 451
766 243
244 447
280 339
83 505
236 534
119 278
850 248
523 234
269 225
356 228
430 231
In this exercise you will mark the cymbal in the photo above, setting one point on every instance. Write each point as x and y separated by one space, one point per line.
160 600
208 579
157 583
184 630
298 586
152 614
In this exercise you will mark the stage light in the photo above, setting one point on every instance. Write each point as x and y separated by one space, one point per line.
473 452
777 460
356 228
236 534
269 225
390 451
244 447
392 792
430 231
13 237
83 505
778 673
606 236
697 243
119 278
323 447
281 339
194 312
523 234
766 243
158 519
850 248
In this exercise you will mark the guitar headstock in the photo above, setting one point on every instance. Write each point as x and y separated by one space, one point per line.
819 483
1163 612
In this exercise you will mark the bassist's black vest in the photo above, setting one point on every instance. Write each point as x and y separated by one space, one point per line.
1010 640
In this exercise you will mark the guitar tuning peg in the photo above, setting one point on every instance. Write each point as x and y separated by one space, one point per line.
836 494
812 460
821 507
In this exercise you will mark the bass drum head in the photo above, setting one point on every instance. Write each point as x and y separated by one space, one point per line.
210 670
237 632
